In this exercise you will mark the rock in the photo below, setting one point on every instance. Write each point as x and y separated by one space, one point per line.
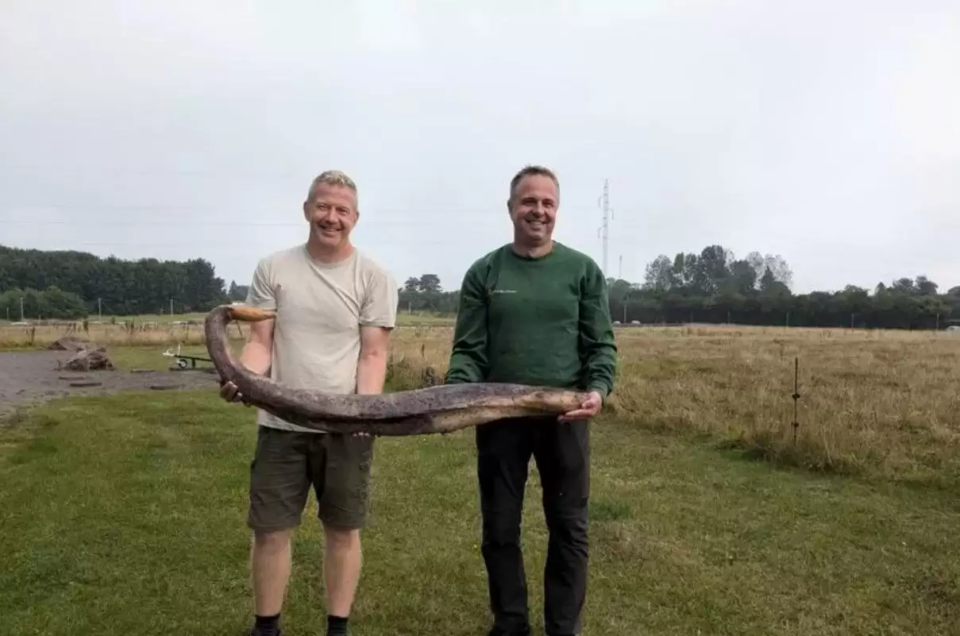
89 360
86 383
68 343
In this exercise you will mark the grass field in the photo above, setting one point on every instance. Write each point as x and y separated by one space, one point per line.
125 514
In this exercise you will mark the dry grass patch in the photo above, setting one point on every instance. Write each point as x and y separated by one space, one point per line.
880 402
883 402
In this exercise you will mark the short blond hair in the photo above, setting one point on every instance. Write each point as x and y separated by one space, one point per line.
530 170
333 178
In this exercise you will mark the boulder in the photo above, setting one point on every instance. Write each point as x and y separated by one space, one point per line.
90 360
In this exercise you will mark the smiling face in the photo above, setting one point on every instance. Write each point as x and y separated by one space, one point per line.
533 210
332 213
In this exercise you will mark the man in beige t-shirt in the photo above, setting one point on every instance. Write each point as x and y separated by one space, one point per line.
335 308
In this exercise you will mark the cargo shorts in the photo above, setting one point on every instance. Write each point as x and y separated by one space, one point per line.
287 463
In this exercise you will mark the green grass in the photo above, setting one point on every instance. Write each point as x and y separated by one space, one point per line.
125 515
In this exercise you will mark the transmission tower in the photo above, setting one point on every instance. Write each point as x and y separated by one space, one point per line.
604 203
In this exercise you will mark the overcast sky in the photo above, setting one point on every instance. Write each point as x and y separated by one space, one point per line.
826 132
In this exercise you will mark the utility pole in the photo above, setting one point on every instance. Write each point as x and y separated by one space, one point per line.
22 319
99 310
605 229
171 306
620 269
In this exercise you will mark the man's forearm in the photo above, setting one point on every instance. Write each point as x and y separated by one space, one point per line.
597 337
256 357
602 371
371 373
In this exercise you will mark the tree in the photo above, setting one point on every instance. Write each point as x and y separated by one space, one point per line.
426 294
659 274
926 287
771 287
903 286
711 272
690 274
775 263
236 293
430 284
743 276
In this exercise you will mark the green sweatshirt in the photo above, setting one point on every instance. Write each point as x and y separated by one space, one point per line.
541 321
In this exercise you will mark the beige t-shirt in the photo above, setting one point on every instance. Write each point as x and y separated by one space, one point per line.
320 308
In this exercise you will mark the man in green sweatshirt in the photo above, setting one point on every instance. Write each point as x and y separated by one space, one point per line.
535 312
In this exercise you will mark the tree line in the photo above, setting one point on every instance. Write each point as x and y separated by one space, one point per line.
710 286
72 284
713 286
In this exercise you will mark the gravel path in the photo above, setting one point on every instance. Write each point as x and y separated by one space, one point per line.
28 377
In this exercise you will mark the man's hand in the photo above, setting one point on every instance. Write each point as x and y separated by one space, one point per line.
230 392
588 408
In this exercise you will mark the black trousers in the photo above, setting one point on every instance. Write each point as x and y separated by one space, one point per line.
562 455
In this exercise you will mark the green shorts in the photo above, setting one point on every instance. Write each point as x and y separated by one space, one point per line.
287 463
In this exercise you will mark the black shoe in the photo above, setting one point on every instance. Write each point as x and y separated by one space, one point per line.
497 631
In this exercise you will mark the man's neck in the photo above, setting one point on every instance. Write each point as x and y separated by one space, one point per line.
326 255
532 251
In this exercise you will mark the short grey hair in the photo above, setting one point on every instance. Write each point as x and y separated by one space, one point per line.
333 178
529 170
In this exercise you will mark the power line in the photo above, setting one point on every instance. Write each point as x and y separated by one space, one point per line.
192 223
197 215
386 240
84 222
260 208
229 217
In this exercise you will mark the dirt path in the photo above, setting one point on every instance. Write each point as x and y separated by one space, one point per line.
28 377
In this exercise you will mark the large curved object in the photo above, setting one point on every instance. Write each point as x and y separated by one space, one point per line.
438 409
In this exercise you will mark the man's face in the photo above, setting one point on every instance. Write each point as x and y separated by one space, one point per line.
332 213
533 209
